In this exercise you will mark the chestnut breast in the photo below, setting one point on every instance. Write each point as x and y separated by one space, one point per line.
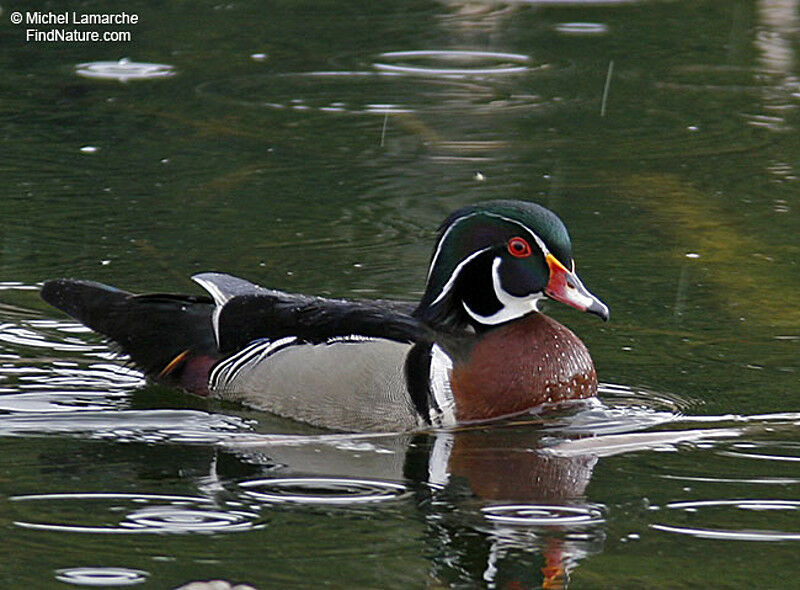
520 365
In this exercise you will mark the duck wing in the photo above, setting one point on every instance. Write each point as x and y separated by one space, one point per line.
246 312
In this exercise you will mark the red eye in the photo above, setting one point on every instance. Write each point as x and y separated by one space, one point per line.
519 248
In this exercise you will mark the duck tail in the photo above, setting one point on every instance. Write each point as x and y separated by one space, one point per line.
169 337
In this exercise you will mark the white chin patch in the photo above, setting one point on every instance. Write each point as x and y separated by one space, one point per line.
512 307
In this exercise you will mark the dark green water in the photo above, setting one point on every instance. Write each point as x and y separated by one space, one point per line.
296 145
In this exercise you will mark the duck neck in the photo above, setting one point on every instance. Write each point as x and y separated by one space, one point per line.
465 300
474 300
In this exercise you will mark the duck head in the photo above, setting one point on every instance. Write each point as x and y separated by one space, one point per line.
495 261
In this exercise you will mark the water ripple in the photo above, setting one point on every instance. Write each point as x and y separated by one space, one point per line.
20 335
60 401
621 409
323 490
344 92
619 395
780 451
581 28
17 286
123 70
177 426
544 515
659 134
178 520
781 481
101 576
748 512
124 514
452 63
719 78
100 376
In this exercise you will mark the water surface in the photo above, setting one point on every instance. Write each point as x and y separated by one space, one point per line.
315 147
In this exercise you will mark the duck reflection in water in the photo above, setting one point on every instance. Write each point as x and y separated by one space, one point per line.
499 510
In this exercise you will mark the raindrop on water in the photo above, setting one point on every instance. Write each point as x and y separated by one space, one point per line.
581 28
321 490
101 576
544 515
123 70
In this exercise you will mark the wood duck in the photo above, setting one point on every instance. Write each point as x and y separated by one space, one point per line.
475 348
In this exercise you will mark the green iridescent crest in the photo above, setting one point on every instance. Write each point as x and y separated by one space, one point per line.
474 230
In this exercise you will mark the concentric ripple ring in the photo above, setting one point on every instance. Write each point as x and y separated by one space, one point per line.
543 515
101 576
494 63
321 490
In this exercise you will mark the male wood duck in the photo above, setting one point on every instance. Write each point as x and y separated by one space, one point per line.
475 348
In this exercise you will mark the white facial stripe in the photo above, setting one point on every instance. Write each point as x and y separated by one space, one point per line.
512 307
536 238
449 285
451 281
443 239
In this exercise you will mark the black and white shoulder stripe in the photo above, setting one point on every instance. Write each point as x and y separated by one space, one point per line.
428 371
226 371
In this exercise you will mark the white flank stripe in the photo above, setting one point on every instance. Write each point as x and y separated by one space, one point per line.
441 367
